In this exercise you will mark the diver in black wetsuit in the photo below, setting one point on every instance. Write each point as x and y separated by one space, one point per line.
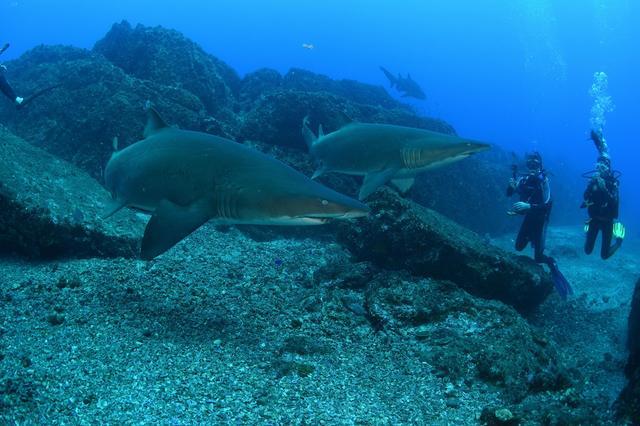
535 204
601 198
5 87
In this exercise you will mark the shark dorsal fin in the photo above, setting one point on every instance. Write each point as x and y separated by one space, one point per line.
154 121
345 118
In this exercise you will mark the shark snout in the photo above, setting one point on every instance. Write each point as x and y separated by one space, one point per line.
471 148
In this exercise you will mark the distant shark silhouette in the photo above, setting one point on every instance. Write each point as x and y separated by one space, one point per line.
406 85
186 178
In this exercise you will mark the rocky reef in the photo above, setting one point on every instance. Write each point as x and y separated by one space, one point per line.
629 402
52 209
404 317
99 95
400 234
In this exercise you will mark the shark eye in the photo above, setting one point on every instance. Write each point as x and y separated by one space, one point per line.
325 202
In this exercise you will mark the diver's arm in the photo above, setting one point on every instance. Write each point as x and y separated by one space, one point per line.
586 197
513 185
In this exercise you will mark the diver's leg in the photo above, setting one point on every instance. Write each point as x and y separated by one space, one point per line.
538 240
607 250
523 235
6 88
592 234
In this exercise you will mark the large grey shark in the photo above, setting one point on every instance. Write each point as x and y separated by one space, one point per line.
384 152
186 178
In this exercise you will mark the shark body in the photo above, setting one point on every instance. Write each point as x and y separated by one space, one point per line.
406 85
186 178
385 153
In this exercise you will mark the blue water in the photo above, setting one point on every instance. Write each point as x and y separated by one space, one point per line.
513 72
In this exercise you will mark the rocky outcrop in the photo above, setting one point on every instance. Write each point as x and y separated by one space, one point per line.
95 102
628 404
400 234
167 57
50 209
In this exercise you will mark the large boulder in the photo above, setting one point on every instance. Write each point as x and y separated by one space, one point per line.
51 209
400 234
167 57
276 118
628 404
95 102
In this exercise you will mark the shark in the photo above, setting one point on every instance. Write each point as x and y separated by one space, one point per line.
186 178
384 153
406 85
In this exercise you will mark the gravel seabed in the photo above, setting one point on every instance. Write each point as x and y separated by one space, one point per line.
224 329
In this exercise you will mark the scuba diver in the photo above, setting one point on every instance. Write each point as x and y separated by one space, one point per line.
5 87
535 204
601 199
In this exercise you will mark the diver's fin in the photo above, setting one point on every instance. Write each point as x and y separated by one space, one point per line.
112 207
562 285
373 180
36 95
308 135
403 184
169 224
618 230
154 121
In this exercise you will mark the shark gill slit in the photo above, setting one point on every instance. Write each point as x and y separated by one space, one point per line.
227 205
412 158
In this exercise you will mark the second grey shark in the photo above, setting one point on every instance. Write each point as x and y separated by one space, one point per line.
186 178
385 153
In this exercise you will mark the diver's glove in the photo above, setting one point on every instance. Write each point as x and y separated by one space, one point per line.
618 230
521 207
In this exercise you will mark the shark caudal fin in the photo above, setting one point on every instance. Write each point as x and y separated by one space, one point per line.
392 78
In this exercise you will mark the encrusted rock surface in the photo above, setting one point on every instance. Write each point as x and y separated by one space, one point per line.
401 234
50 209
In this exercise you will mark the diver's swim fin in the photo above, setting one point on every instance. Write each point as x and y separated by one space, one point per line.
37 94
618 230
562 285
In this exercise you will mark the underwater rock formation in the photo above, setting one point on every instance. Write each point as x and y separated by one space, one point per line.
167 57
400 234
454 329
101 94
51 209
629 402
96 102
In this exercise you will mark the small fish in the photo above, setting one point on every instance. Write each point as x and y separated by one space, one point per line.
308 46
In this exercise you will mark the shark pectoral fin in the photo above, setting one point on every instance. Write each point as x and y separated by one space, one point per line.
112 207
404 184
374 180
169 224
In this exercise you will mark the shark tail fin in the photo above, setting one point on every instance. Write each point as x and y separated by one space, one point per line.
392 78
308 135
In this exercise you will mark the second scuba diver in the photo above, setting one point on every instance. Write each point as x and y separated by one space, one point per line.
601 198
535 204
